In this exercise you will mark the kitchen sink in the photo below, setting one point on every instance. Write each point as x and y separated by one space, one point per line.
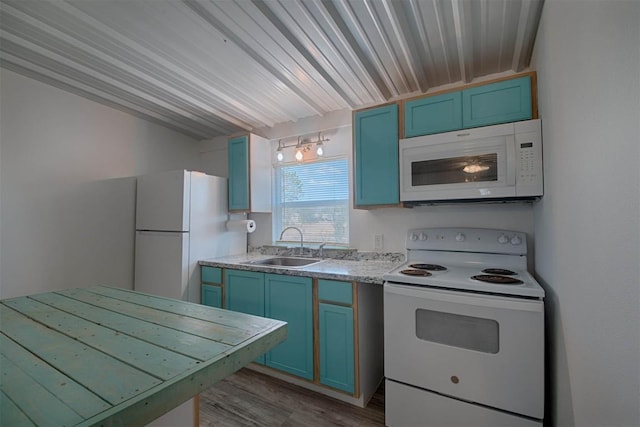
290 262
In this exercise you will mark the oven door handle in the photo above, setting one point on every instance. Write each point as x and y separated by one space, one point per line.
457 297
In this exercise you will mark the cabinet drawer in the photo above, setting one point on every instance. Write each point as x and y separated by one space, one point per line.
335 291
494 103
211 274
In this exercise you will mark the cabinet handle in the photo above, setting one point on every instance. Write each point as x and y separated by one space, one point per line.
464 134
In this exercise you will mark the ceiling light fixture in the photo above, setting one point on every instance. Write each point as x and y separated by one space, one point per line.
302 146
279 154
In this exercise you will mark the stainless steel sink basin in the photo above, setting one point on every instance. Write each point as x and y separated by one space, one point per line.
290 262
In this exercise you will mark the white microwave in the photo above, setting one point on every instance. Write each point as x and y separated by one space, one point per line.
492 163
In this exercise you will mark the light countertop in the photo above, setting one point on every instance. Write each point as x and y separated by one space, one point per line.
364 271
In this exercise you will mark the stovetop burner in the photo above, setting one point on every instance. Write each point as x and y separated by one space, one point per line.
494 278
411 272
430 267
501 271
465 260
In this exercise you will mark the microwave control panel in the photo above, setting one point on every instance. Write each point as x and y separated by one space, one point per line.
529 163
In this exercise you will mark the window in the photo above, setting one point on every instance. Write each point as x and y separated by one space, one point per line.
315 198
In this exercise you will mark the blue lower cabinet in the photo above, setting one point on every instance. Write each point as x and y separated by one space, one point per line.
212 275
337 363
245 293
290 298
281 297
211 295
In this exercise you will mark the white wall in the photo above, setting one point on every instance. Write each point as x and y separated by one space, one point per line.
392 223
587 227
66 222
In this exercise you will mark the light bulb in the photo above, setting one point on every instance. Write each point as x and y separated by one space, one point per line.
475 168
280 156
319 150
299 155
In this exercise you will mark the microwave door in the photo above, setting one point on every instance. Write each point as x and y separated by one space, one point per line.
459 170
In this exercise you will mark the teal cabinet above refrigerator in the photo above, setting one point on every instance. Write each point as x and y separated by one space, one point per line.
249 162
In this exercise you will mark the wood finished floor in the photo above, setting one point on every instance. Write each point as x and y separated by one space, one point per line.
249 398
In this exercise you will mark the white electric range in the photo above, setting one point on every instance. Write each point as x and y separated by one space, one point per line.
464 331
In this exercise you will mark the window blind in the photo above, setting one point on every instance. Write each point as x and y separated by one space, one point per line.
315 198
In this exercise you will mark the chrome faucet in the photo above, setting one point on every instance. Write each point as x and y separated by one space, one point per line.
301 237
321 248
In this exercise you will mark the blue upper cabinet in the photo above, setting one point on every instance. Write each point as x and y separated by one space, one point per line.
433 114
494 103
239 184
249 174
503 101
375 141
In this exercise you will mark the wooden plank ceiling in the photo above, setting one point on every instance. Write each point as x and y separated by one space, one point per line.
215 67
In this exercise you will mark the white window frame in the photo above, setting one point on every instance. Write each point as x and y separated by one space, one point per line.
290 238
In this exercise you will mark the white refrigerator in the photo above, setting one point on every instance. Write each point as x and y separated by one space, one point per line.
180 219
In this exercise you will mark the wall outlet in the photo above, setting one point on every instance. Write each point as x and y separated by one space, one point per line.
378 242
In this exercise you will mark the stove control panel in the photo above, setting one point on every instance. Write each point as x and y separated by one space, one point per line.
468 240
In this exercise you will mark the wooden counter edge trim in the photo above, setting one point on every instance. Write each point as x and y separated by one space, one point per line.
316 332
534 94
356 341
146 407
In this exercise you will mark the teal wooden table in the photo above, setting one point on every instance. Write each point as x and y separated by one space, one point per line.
110 356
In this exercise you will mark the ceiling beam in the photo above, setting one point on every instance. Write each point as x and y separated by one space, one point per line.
462 25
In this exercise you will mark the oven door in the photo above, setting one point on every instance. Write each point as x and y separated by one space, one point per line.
480 348
435 168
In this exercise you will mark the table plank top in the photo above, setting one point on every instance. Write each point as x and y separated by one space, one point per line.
111 356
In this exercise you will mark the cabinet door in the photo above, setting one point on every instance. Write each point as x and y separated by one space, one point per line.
336 347
376 178
290 298
433 114
500 102
211 295
245 293
239 174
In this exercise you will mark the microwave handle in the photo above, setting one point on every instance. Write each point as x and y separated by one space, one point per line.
439 295
511 159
